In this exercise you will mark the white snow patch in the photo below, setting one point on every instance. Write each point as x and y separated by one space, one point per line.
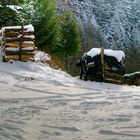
41 56
30 36
28 42
14 7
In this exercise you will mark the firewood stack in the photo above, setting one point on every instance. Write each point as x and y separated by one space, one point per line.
18 43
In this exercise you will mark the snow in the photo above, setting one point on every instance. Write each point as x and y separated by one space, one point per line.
118 54
17 49
133 74
29 36
29 28
41 56
28 49
28 42
14 7
39 103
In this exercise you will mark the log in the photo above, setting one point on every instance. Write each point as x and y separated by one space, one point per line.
12 34
102 63
27 49
25 28
113 75
10 40
17 52
19 29
15 45
16 58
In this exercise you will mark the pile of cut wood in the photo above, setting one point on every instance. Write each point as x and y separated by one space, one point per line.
101 64
18 43
132 79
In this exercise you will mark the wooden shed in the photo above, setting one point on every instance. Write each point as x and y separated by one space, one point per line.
18 43
101 64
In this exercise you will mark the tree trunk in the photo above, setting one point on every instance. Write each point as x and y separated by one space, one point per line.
66 61
102 63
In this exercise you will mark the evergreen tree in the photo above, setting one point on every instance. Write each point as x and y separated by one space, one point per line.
8 13
70 42
47 27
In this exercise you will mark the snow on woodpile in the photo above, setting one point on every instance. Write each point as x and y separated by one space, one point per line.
28 28
118 54
133 74
19 43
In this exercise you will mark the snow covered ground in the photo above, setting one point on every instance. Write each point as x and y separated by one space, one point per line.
40 103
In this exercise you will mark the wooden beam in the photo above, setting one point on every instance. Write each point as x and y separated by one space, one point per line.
17 44
102 63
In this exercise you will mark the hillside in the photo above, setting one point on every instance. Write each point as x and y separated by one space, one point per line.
108 23
39 103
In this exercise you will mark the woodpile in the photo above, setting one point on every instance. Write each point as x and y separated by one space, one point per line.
102 65
132 79
18 43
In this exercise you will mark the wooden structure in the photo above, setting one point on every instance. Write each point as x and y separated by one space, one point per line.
101 65
18 43
132 79
0 38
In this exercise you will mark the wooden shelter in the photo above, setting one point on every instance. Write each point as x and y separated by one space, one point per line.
101 64
18 43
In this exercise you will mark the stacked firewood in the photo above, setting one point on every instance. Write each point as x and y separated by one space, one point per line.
132 79
101 64
18 43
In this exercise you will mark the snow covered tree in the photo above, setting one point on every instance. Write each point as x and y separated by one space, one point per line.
9 12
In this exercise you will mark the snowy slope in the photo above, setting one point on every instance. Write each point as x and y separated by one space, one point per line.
116 21
39 103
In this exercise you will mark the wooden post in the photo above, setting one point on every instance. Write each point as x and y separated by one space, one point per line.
21 41
102 63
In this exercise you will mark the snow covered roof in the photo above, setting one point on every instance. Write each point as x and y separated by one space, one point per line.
118 54
29 28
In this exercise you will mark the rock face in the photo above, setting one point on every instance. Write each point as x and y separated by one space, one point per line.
108 23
